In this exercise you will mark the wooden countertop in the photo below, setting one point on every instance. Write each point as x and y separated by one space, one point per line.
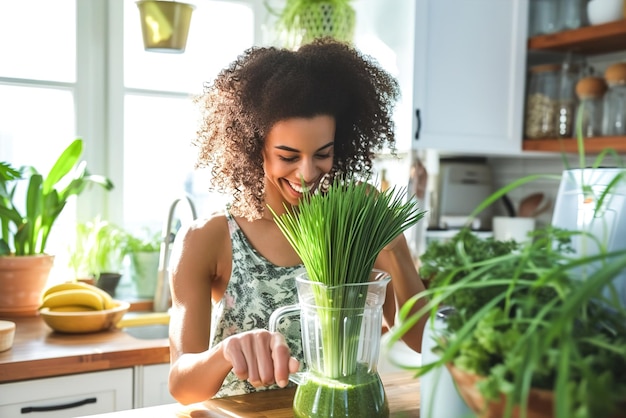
38 351
402 391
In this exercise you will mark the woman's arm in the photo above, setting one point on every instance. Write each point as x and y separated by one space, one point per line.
396 260
199 262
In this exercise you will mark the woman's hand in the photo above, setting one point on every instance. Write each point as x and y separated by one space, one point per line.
261 357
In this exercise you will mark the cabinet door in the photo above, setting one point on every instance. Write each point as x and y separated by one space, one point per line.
152 385
470 58
68 396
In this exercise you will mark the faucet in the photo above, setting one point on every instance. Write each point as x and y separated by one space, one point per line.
162 292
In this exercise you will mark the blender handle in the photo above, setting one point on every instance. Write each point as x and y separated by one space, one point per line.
279 313
298 378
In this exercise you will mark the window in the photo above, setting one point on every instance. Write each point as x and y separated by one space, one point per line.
84 73
159 116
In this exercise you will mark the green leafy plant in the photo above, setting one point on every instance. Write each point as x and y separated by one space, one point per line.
148 241
526 319
338 235
534 315
100 247
302 21
25 228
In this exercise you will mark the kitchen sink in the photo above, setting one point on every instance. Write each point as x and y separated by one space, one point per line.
148 332
145 325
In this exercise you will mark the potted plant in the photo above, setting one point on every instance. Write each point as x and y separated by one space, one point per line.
301 21
99 252
25 226
144 250
527 326
538 328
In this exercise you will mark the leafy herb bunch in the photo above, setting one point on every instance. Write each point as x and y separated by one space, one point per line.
531 318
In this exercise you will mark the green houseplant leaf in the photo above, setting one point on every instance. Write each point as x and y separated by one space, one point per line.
100 247
302 21
25 227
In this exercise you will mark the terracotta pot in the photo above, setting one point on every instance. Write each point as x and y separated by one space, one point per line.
540 402
22 279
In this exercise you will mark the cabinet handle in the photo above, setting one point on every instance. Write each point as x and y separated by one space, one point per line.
419 124
29 409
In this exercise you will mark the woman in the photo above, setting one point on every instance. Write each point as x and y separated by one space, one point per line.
272 119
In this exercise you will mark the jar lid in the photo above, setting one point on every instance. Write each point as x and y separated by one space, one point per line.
616 73
544 67
590 87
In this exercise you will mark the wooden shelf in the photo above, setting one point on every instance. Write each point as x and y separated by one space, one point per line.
592 145
588 40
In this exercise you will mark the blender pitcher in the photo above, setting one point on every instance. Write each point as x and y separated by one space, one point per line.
341 329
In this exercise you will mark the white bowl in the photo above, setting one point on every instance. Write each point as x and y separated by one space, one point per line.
604 11
7 334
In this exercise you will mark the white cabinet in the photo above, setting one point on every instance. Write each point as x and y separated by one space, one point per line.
470 60
68 396
151 385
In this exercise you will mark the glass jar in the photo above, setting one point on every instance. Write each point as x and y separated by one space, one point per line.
590 91
614 102
543 17
541 103
566 100
571 14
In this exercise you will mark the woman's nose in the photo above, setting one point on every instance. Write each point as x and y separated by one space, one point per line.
308 171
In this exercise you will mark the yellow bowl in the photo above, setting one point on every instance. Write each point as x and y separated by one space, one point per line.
83 322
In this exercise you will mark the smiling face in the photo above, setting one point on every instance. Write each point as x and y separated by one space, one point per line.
296 150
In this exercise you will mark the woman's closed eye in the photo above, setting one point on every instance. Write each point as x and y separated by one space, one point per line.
288 159
296 158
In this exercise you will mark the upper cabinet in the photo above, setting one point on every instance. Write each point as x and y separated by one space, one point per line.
469 69
589 40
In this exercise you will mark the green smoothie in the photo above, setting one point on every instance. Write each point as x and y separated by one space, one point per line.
359 395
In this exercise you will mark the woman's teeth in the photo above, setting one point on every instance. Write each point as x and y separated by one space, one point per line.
298 188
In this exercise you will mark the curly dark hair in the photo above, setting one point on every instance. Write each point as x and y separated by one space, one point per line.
265 85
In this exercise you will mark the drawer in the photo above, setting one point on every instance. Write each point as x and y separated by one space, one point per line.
68 396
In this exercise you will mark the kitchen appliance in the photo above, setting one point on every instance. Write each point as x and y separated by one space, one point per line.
576 211
462 186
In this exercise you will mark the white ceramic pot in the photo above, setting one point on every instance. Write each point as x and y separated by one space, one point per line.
439 397
604 11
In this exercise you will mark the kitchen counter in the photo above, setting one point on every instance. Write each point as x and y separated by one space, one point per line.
38 351
402 391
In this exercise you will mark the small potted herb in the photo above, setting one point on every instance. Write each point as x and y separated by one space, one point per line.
144 250
99 252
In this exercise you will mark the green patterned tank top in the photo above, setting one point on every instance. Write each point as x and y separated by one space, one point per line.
256 288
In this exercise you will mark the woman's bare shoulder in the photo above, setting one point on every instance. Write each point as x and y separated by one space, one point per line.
212 228
203 246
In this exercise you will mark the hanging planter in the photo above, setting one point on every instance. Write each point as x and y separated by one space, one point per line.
302 21
164 25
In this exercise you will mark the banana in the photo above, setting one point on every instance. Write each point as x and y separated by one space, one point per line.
62 286
108 301
72 308
83 297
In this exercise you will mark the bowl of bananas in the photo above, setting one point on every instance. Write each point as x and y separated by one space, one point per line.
77 307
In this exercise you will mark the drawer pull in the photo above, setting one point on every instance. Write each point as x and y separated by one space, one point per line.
29 409
419 124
